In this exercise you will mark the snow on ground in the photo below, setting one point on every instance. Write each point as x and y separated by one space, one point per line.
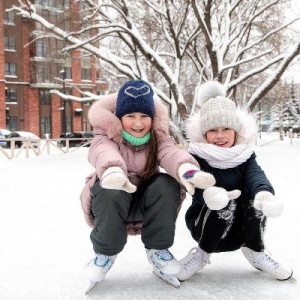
45 241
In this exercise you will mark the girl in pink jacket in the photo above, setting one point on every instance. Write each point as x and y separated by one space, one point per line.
127 193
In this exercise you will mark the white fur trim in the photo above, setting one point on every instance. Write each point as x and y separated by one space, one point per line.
212 89
102 116
247 133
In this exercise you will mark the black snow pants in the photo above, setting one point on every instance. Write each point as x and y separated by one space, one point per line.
238 224
155 203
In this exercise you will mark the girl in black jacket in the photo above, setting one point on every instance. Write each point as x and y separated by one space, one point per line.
232 214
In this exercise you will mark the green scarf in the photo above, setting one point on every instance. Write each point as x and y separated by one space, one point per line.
135 140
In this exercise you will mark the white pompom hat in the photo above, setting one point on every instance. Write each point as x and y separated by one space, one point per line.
216 110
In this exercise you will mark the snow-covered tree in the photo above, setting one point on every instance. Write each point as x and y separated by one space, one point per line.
246 44
291 113
276 117
285 112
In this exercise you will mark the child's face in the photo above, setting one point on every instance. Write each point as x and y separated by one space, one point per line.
221 136
136 124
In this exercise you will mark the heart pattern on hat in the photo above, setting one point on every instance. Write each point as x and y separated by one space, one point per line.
135 95
137 92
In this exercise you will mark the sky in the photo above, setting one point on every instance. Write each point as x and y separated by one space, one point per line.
45 240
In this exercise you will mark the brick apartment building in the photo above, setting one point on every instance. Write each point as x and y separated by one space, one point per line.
30 68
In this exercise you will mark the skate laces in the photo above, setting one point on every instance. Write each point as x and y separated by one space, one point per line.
164 254
101 260
264 260
195 259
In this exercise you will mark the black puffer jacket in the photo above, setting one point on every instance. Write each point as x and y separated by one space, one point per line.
248 177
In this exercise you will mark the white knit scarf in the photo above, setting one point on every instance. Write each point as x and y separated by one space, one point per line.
222 158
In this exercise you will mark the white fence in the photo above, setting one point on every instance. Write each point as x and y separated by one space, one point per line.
50 146
43 145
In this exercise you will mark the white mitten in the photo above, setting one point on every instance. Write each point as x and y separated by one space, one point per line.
268 204
217 198
192 177
113 178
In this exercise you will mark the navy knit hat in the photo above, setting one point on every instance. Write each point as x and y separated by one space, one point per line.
135 96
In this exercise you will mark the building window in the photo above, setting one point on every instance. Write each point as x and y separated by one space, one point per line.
9 43
41 48
45 125
42 73
47 72
50 3
44 97
85 74
69 123
9 17
68 73
10 69
48 48
12 123
57 18
54 71
54 47
86 126
53 3
46 14
11 95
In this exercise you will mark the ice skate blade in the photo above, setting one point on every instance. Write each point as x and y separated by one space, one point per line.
172 280
91 286
291 278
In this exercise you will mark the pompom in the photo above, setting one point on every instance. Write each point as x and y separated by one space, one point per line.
208 90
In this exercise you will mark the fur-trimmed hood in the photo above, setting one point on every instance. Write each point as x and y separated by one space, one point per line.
217 110
247 133
102 117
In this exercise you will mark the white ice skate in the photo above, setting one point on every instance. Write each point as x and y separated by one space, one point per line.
165 266
264 262
97 268
195 260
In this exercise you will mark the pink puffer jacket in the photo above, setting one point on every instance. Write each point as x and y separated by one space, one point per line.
108 149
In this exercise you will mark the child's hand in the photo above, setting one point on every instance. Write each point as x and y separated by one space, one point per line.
268 204
217 198
192 177
114 179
